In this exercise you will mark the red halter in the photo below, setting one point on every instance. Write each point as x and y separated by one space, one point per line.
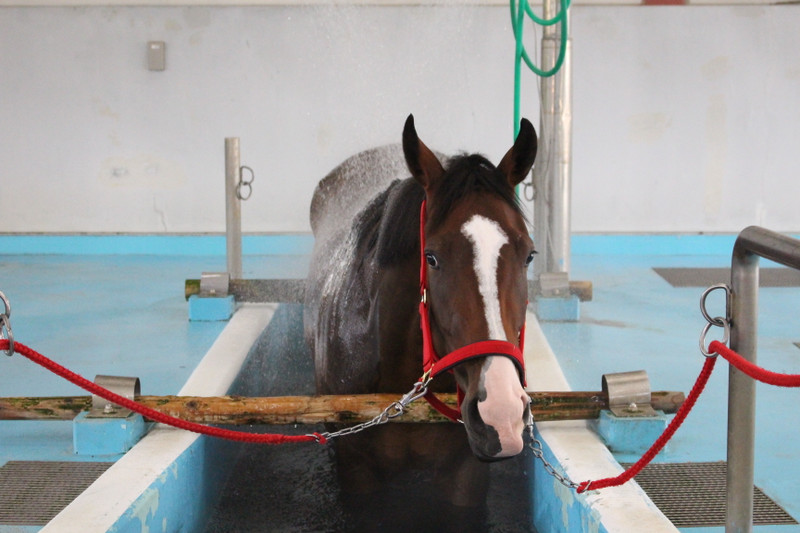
465 353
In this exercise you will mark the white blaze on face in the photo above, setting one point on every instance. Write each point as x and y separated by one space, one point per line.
487 237
505 398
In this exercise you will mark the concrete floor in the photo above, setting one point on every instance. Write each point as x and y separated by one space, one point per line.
126 315
636 320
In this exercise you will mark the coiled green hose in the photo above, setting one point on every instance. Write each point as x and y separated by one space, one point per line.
518 12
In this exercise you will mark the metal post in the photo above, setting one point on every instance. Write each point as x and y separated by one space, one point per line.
742 394
753 242
552 174
233 208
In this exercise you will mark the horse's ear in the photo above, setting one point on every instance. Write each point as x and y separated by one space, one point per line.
518 161
422 163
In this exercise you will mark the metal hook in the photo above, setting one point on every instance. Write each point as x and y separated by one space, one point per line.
6 305
717 321
722 322
245 183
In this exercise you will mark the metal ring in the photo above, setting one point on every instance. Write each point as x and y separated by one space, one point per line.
239 194
528 186
6 304
717 321
725 336
399 410
5 324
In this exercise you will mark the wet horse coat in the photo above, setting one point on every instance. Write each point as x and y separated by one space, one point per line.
361 309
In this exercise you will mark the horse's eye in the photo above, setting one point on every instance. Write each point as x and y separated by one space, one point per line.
529 259
432 261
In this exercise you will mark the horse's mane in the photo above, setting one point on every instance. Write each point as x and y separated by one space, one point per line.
467 174
398 238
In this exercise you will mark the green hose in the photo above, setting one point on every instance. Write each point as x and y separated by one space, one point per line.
517 18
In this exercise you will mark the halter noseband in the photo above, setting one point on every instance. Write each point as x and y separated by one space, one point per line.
465 353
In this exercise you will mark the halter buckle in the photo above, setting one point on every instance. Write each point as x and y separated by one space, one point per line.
426 377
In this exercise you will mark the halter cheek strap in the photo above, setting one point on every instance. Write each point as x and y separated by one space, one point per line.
432 364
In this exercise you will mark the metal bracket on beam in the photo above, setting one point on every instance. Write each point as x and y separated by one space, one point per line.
554 284
628 394
214 284
127 387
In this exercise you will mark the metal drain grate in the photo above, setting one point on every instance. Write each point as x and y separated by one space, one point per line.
693 495
33 492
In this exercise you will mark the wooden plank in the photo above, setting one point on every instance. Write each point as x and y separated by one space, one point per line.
239 410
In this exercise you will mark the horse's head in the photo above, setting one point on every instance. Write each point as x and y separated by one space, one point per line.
477 251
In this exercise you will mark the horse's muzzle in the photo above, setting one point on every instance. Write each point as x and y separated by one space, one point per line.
495 416
489 444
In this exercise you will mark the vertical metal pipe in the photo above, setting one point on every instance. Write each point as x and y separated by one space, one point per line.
751 244
562 183
552 174
541 171
742 393
233 208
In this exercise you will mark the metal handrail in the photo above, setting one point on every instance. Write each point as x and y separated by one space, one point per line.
751 244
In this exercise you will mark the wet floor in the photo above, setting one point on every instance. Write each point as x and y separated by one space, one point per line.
296 488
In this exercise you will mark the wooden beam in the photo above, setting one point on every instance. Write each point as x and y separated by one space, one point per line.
239 410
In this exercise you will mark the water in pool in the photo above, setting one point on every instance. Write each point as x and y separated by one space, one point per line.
295 488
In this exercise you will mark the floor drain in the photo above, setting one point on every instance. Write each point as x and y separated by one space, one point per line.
33 492
693 495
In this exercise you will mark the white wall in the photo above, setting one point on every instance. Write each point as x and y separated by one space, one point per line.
686 119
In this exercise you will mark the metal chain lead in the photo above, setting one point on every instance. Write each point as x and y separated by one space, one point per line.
394 410
538 452
5 325
398 408
718 321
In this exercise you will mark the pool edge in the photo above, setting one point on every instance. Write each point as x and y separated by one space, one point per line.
132 495
574 449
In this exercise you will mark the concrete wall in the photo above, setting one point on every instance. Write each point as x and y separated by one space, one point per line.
686 119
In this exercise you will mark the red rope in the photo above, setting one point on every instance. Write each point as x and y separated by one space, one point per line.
742 364
152 414
676 422
753 370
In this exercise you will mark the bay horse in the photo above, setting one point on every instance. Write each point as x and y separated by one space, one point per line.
362 304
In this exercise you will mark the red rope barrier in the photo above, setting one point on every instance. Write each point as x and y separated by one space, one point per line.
739 362
716 347
676 422
152 414
752 370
